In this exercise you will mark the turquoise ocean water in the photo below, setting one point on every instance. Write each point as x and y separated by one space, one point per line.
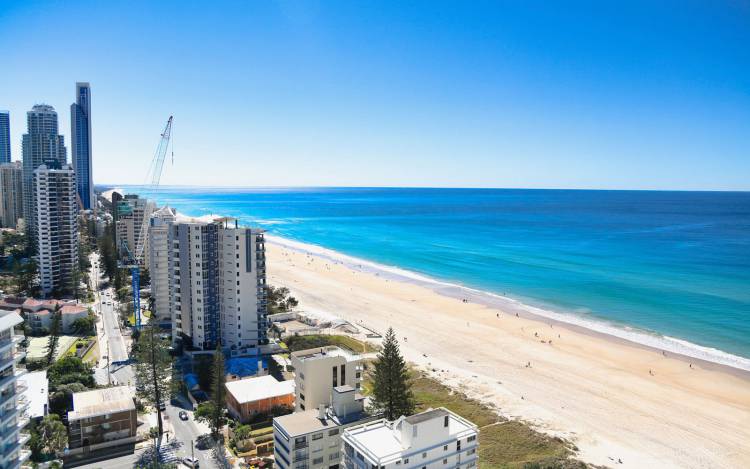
671 269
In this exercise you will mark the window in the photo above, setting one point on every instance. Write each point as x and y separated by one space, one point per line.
333 432
335 377
317 436
333 456
471 438
471 451
424 455
445 421
445 461
445 448
343 375
318 460
406 461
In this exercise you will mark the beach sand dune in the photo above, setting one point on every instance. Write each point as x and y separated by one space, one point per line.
614 399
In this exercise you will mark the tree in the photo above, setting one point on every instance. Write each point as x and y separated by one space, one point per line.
61 400
24 277
52 434
54 334
152 369
70 369
279 300
392 393
84 326
218 393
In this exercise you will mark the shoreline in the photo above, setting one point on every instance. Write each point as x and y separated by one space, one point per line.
614 399
683 349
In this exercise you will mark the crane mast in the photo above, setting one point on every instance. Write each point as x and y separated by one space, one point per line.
135 257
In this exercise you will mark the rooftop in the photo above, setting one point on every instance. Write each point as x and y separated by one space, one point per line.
9 319
36 392
325 352
381 440
101 402
259 387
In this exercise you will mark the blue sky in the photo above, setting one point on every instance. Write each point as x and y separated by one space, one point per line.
634 95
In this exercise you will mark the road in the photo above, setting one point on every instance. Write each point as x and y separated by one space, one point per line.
111 341
186 432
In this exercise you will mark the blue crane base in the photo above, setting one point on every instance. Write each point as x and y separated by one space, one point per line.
135 273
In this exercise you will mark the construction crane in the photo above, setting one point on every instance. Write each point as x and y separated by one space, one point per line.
134 258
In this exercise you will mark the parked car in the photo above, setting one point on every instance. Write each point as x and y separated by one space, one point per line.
183 415
190 462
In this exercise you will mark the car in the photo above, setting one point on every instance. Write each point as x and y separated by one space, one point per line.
190 461
183 415
162 406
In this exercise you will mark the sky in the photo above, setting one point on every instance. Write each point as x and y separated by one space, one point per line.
529 94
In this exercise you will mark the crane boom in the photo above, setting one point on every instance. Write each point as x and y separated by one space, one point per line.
135 257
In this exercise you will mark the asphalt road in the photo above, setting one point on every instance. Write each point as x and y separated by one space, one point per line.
186 432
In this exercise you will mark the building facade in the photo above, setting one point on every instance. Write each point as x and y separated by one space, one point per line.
311 439
217 286
11 194
248 397
435 438
158 265
39 314
56 217
4 137
41 145
101 419
13 406
318 371
131 214
80 132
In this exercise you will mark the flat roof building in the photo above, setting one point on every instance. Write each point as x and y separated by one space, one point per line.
102 418
435 438
259 394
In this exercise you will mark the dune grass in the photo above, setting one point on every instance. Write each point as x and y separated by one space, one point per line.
503 443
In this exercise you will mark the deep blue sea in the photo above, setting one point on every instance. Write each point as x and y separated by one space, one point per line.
673 264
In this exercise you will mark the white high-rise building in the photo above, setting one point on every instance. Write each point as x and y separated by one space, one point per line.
56 216
13 406
433 439
217 286
11 194
158 266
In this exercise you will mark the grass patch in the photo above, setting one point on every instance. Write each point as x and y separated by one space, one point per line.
304 342
92 356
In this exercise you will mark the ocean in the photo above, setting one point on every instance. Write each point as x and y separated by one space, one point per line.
668 269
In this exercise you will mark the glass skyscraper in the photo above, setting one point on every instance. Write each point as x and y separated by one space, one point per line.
4 137
80 131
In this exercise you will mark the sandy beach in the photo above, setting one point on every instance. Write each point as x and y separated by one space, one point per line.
615 400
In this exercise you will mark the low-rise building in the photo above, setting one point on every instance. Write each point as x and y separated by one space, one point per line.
259 394
317 371
311 439
102 418
435 438
39 314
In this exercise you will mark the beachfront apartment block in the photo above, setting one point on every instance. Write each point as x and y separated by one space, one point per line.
56 218
13 406
435 438
158 264
311 439
318 371
217 286
11 194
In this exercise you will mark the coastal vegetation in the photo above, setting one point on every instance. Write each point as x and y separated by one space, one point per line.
503 443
